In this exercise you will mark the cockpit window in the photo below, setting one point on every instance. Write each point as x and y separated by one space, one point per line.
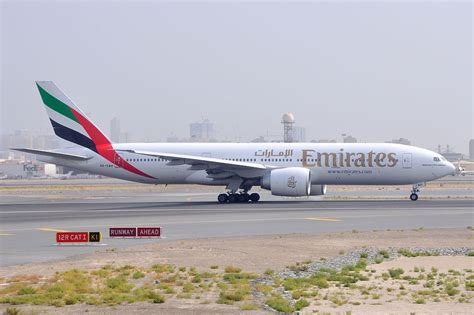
436 159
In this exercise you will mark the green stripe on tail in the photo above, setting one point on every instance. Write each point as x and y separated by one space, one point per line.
56 104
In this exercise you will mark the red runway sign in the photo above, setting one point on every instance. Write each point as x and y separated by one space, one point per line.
123 232
149 232
72 237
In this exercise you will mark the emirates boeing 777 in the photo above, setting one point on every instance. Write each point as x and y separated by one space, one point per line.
286 169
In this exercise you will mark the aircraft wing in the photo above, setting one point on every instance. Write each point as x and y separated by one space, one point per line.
214 167
54 154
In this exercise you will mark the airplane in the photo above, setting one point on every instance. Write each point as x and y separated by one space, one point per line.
61 176
3 176
461 170
285 169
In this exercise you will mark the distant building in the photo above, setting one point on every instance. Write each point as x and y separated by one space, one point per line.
19 138
349 139
450 154
260 139
471 149
299 134
21 169
400 141
174 139
323 141
201 131
45 142
26 139
115 130
288 120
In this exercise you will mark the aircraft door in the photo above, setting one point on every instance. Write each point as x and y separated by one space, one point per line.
406 157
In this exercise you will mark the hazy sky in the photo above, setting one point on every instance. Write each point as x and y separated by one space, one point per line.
377 71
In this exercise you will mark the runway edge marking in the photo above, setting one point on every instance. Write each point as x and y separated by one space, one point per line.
323 219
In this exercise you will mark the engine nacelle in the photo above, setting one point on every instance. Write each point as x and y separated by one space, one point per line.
318 190
290 181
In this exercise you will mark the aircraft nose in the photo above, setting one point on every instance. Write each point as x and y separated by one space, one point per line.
452 168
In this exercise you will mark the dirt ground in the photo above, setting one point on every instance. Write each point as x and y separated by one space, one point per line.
257 254
386 298
252 253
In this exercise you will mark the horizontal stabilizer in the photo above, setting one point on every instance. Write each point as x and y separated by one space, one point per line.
54 154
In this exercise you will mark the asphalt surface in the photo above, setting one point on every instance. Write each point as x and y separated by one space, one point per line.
27 230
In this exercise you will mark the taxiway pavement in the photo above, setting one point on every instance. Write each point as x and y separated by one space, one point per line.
27 230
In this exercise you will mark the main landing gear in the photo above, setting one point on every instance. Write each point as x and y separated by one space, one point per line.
415 190
238 198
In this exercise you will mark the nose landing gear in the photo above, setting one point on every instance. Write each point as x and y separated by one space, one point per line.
415 190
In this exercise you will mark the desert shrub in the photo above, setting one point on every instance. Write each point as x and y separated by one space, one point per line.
248 307
26 290
232 269
469 285
395 272
300 304
161 268
119 284
385 254
279 303
138 275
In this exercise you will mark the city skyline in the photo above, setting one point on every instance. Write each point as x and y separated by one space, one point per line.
48 137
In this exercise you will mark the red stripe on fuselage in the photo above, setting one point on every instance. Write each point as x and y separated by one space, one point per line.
103 145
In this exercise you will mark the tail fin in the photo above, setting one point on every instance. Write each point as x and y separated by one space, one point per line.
71 124
68 121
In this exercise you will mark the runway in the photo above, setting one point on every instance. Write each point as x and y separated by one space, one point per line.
27 230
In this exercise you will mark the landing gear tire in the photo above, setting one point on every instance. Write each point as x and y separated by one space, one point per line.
222 198
232 198
415 190
254 197
238 198
241 198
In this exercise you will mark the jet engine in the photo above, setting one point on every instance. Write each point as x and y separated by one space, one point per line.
318 190
290 181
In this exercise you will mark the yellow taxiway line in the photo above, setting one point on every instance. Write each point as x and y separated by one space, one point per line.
323 219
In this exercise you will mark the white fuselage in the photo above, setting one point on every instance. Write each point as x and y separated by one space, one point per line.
329 163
